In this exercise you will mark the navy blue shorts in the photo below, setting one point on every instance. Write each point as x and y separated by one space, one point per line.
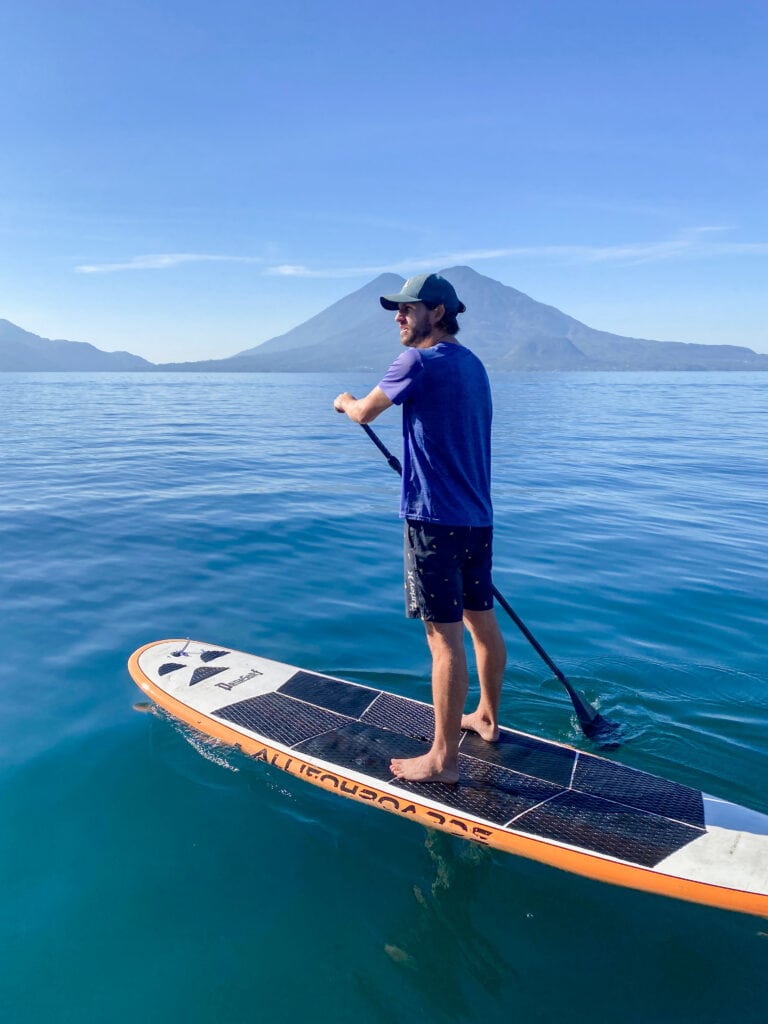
447 570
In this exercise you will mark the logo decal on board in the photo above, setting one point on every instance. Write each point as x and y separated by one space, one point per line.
242 679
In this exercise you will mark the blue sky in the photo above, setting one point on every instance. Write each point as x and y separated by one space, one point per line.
186 179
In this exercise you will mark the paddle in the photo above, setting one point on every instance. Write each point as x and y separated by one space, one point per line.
592 723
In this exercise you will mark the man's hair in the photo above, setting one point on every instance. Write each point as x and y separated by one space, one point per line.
448 322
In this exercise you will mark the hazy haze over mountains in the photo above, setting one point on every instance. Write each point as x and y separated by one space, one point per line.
507 329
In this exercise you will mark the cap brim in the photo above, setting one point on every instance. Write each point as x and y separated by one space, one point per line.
393 301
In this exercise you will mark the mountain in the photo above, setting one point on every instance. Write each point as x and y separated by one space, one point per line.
508 330
22 351
354 333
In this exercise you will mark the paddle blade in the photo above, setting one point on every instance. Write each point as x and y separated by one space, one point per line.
600 730
603 732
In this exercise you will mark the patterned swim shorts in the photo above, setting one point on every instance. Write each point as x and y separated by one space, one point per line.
447 570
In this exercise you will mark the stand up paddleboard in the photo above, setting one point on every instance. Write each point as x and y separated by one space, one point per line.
524 795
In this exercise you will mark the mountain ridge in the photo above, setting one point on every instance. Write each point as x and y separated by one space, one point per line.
22 351
508 329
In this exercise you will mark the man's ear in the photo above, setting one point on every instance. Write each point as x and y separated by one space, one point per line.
436 314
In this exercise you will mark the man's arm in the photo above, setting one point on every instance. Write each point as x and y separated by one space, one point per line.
362 410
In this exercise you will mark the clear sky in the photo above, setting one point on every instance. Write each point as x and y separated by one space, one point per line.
186 178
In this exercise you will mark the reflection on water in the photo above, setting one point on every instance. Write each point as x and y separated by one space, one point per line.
443 946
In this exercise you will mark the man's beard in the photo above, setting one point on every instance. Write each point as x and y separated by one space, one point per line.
417 333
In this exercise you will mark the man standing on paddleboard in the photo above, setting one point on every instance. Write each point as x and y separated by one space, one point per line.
445 397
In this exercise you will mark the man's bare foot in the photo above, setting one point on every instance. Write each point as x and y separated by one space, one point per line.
423 769
484 727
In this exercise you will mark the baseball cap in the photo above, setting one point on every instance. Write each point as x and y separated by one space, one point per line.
431 289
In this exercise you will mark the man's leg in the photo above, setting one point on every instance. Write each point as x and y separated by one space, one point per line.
491 657
449 694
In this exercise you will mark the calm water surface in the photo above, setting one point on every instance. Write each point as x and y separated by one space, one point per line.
151 876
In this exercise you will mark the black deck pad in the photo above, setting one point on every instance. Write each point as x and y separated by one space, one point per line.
363 748
279 718
486 791
524 754
608 828
399 714
531 785
638 789
333 694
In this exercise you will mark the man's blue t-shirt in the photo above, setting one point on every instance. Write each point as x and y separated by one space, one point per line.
446 401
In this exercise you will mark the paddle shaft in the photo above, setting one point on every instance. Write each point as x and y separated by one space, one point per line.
591 721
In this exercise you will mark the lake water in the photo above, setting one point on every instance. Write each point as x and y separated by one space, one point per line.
150 876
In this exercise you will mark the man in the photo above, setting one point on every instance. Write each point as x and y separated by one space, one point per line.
446 504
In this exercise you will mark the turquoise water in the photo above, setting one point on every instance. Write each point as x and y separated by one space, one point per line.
147 875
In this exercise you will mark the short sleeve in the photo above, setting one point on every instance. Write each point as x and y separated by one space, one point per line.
401 376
